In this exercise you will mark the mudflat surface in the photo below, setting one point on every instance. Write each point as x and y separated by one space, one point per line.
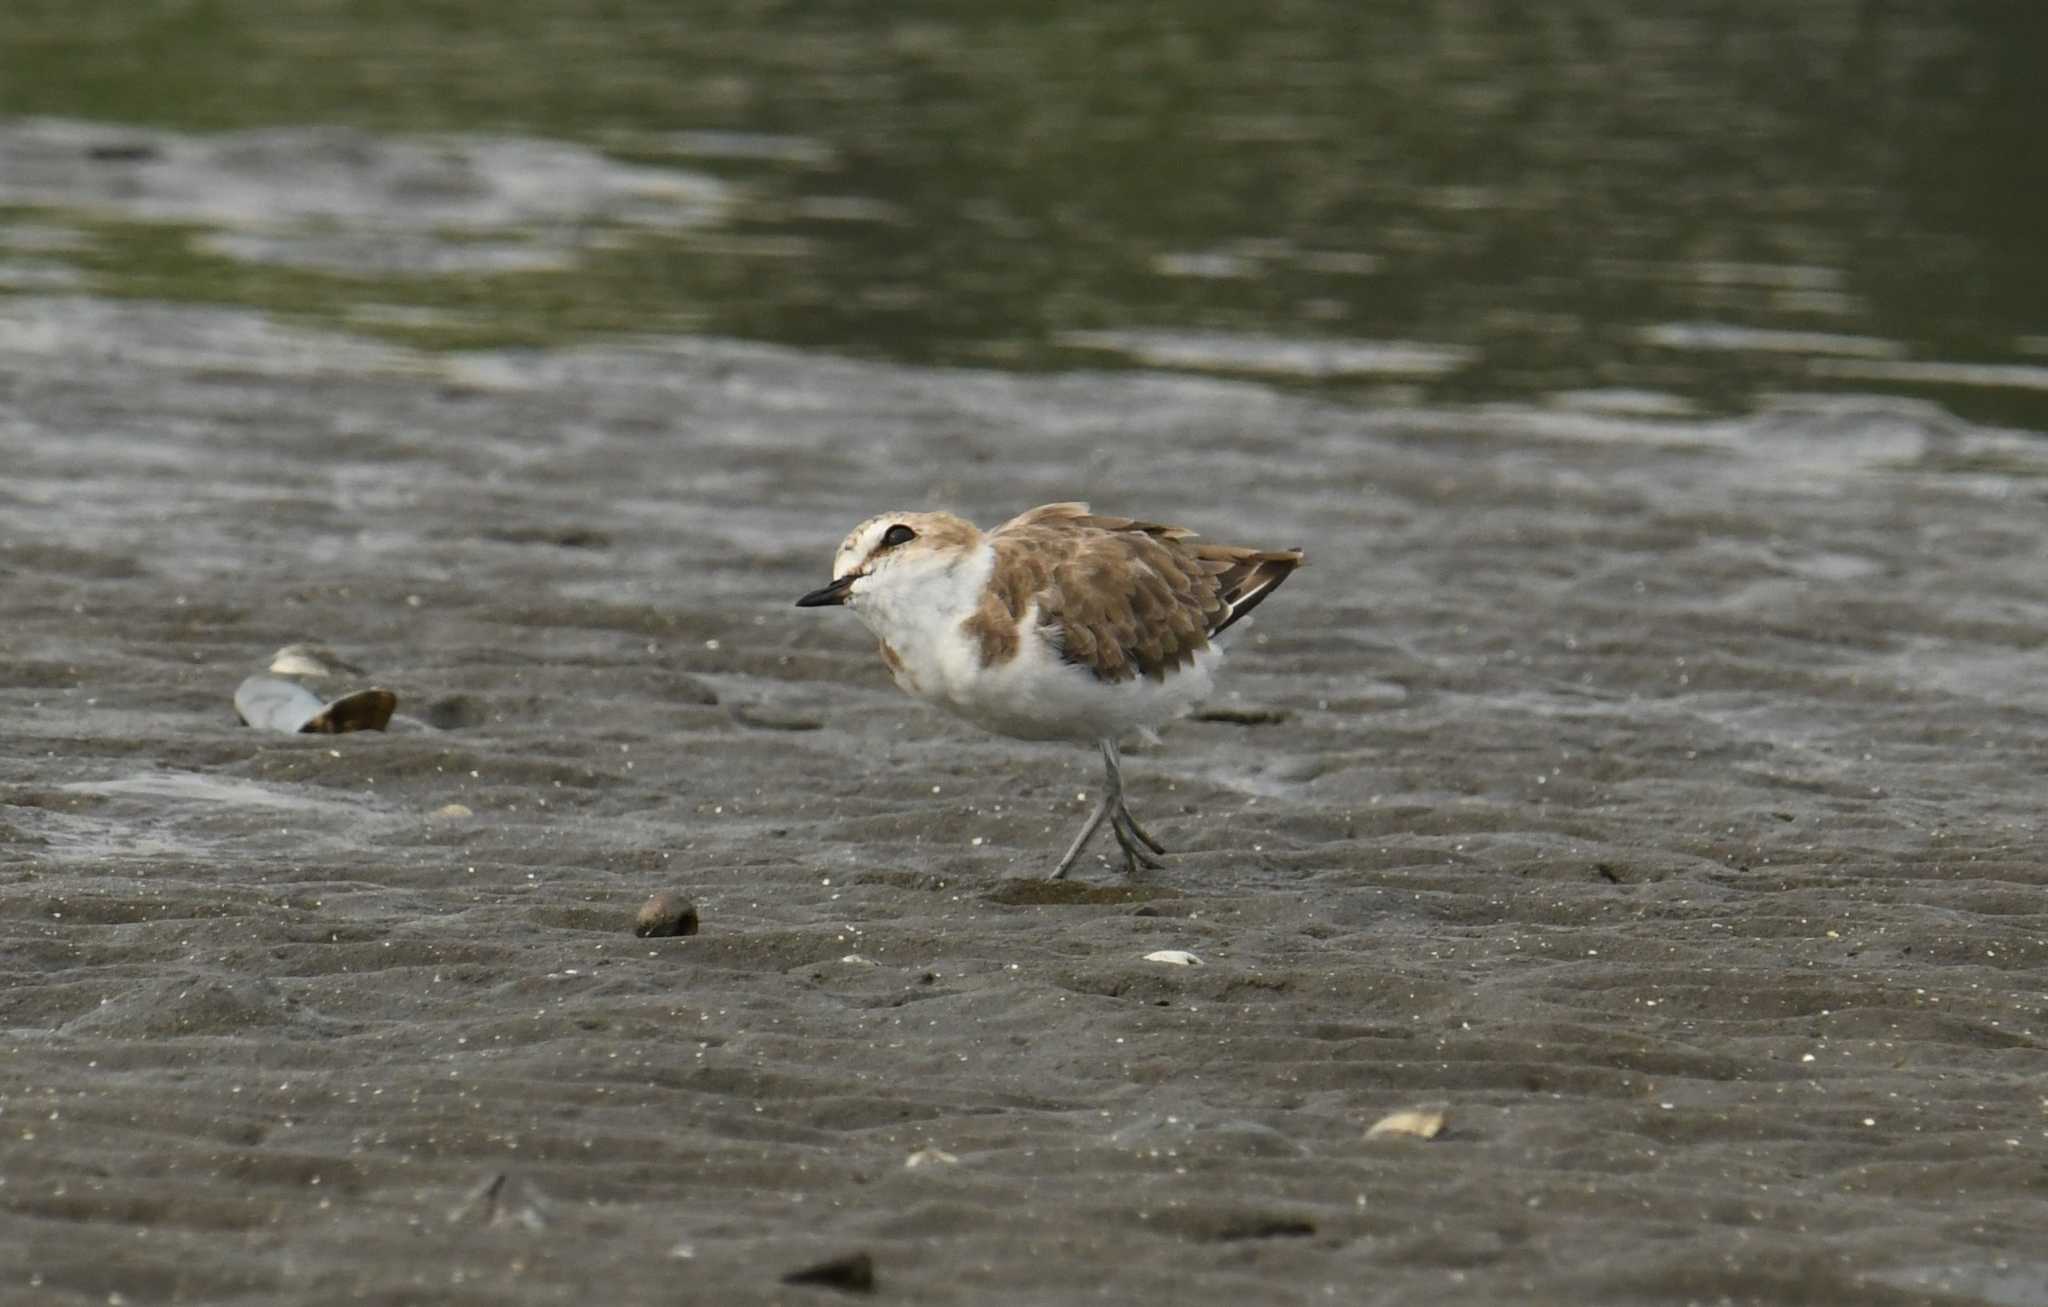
1661 795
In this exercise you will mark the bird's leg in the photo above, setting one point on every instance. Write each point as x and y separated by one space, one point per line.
1135 854
1132 838
1130 832
1136 842
1130 824
1088 830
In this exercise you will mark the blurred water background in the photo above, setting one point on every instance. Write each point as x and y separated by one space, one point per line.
1680 207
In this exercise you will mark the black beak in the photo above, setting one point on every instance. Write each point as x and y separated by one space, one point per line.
832 594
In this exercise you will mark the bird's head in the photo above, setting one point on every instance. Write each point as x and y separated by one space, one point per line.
893 550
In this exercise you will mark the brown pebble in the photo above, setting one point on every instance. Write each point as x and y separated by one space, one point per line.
666 914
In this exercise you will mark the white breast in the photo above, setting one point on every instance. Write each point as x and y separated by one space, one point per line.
916 608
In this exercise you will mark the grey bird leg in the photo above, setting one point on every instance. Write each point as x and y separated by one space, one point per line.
1132 838
1094 824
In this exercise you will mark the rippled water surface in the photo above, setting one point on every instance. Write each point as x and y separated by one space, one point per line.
1460 199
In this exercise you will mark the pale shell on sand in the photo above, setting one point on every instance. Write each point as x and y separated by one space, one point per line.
274 703
1411 1123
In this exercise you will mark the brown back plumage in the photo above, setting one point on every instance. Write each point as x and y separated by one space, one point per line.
1120 597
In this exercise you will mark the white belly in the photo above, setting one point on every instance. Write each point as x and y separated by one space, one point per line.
1038 696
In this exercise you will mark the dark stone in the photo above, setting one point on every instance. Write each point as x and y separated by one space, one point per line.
664 915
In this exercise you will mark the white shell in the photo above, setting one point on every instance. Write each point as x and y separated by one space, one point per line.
1413 1123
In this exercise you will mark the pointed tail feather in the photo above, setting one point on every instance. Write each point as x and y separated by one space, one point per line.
1248 576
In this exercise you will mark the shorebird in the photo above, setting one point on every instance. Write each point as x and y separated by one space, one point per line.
1057 625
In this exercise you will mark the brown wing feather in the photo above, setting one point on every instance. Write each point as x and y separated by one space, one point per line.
1121 597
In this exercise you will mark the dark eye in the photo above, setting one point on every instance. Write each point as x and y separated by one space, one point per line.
897 535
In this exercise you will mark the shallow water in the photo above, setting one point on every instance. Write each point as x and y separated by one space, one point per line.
1645 767
1713 202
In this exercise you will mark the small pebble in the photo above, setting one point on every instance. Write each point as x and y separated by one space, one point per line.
1174 957
664 915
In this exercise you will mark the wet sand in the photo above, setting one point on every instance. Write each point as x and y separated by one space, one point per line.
1660 794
